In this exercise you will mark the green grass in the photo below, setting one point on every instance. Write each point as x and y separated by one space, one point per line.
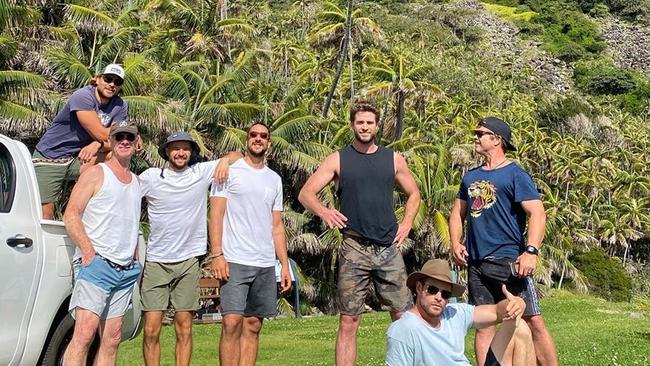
588 331
508 12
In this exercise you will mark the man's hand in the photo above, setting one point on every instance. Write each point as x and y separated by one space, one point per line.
88 152
285 280
221 172
219 268
459 253
516 306
333 218
402 233
527 264
87 257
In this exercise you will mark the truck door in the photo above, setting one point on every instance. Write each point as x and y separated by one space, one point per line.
20 250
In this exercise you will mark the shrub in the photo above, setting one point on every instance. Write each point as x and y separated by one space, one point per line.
638 101
606 275
600 78
556 112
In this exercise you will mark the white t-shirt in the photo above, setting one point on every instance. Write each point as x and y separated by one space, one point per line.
252 194
177 211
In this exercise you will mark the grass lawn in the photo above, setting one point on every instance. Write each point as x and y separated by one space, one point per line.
588 331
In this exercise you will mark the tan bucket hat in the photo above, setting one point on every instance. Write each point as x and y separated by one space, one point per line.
437 269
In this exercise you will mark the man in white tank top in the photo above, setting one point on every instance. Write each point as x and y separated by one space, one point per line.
102 218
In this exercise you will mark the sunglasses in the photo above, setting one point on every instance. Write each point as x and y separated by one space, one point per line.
432 290
111 79
480 134
262 135
124 136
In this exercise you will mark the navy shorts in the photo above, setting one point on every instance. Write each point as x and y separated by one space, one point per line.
250 291
484 280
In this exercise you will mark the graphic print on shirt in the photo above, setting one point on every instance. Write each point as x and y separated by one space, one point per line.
105 118
484 194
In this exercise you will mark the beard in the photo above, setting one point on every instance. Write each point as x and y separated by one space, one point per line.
257 154
180 165
358 137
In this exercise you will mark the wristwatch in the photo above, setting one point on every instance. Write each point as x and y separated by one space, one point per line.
531 249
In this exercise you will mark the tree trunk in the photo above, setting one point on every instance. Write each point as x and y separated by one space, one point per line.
382 118
351 74
559 284
339 68
399 120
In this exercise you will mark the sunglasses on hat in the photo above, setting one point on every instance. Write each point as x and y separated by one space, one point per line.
124 136
112 79
432 290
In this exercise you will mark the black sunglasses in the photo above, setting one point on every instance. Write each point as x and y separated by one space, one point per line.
124 135
111 79
432 290
480 134
262 135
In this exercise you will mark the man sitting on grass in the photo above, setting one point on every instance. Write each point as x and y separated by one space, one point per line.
433 331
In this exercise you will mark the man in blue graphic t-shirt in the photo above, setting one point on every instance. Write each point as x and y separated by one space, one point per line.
78 134
495 200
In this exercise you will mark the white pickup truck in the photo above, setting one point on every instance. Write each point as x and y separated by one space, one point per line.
36 270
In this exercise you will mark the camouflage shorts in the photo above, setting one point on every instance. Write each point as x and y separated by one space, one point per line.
361 265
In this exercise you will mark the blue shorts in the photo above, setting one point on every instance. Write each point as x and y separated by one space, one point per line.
484 280
103 287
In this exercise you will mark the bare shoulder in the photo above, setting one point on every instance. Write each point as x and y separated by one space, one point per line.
332 162
93 176
399 161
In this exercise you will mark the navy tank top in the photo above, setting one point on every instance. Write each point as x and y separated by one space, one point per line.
366 185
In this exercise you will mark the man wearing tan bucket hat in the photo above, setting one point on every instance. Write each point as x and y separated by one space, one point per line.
433 331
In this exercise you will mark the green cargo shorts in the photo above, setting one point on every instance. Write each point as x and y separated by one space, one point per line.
52 174
175 283
364 264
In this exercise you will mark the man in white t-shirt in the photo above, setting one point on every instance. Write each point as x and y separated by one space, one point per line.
177 208
433 331
246 234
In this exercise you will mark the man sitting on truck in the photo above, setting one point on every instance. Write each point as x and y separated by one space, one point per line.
102 218
78 134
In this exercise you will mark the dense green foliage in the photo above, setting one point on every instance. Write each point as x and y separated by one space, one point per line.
606 275
601 78
586 330
210 67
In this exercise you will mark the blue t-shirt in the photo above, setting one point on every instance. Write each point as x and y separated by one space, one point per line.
414 342
496 222
66 137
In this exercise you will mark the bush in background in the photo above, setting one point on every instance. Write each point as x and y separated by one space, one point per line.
606 275
600 77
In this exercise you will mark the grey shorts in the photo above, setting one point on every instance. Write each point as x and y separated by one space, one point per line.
175 283
250 291
103 287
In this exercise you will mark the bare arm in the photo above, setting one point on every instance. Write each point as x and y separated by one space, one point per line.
219 265
325 173
90 121
221 170
536 225
405 181
458 251
280 243
512 307
87 185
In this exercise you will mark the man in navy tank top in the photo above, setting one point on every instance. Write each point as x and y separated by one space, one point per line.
365 175
102 219
494 200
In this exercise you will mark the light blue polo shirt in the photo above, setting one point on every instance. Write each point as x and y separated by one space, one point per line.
414 342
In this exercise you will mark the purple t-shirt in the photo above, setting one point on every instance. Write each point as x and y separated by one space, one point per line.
66 137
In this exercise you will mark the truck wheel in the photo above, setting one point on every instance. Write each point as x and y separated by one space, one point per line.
58 343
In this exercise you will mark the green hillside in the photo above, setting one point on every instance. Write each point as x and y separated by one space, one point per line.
572 77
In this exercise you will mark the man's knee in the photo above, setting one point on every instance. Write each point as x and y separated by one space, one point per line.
523 333
183 326
231 324
536 324
348 324
486 332
253 325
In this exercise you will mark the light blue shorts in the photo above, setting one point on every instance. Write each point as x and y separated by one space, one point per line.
103 287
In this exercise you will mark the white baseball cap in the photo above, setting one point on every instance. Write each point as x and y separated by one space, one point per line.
114 69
